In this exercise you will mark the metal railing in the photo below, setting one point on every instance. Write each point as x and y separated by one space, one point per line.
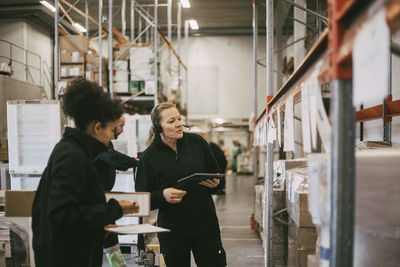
23 64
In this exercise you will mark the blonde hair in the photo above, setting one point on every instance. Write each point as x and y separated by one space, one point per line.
155 120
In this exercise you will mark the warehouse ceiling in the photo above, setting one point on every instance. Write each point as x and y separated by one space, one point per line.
215 17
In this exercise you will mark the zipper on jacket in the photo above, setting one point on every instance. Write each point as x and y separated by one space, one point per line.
176 155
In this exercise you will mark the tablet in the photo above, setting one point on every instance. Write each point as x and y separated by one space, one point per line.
197 177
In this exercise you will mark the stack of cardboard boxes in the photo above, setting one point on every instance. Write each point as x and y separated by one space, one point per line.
142 70
92 70
121 76
302 234
72 58
280 229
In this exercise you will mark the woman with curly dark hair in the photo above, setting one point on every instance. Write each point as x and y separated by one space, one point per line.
70 210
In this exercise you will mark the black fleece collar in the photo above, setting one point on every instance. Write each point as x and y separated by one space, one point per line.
160 143
90 144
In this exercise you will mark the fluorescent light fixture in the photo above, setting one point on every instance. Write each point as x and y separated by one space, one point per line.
79 27
193 24
185 3
49 6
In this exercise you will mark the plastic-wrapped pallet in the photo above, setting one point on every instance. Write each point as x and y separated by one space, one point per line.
280 168
280 230
245 162
302 233
297 196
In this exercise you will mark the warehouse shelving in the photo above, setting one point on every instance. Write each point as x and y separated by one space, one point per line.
334 49
134 41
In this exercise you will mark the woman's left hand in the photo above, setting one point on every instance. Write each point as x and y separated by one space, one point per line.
211 183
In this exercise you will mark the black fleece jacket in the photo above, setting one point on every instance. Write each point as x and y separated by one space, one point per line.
70 210
160 167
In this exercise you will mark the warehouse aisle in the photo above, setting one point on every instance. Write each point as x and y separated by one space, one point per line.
243 247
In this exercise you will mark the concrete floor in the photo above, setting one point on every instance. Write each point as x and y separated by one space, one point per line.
243 247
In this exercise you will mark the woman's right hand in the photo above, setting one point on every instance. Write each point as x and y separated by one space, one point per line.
173 195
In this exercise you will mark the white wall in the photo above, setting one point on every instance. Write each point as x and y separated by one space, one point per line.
373 130
39 41
33 38
233 57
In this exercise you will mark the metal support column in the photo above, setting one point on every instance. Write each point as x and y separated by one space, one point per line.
255 66
140 29
155 52
123 20
270 147
56 58
110 50
132 21
169 16
342 174
319 22
186 42
387 124
87 18
147 40
178 37
100 43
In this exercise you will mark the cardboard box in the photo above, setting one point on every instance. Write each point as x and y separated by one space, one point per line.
104 78
281 167
312 261
67 56
74 43
18 203
280 243
305 237
121 87
121 65
93 64
3 149
71 71
297 196
121 76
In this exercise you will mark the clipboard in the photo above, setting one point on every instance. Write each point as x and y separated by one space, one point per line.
197 177
134 229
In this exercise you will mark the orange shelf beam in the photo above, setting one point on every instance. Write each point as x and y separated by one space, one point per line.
376 112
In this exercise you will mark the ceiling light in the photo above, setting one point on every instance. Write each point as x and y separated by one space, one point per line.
79 27
193 24
49 6
185 3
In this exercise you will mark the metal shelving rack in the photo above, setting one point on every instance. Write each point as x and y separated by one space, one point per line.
143 15
334 48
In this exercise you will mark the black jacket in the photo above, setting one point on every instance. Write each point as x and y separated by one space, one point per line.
160 167
111 160
70 210
219 156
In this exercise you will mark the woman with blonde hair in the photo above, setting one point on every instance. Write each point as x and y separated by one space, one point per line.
190 213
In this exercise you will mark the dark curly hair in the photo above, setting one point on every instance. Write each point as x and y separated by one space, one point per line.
86 102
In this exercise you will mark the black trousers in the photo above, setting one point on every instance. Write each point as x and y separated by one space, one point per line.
110 240
207 251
